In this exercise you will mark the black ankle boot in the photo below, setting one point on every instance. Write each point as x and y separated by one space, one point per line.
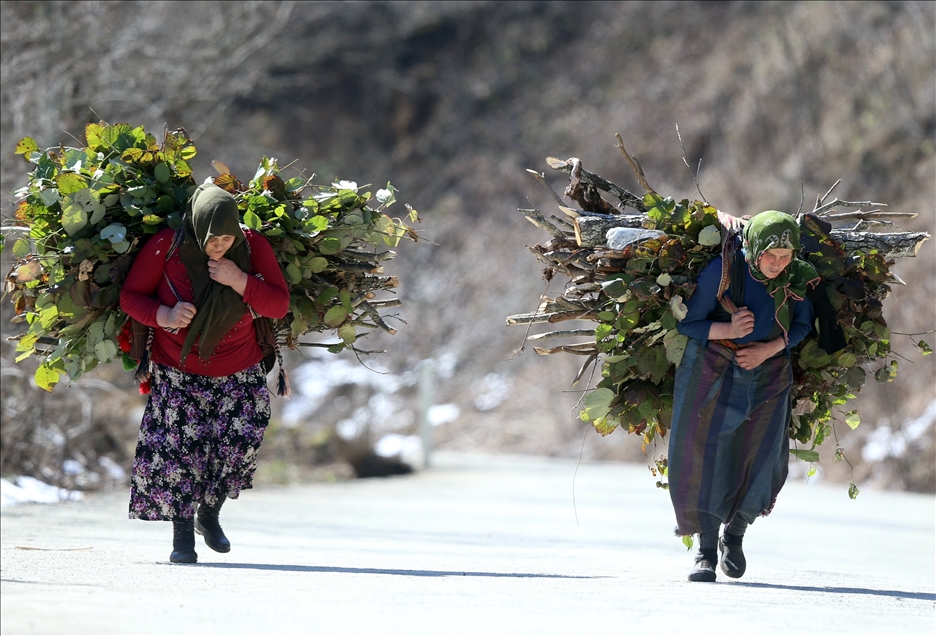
183 541
733 562
207 525
704 569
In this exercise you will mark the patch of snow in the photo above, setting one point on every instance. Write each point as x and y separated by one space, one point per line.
114 470
394 445
29 489
445 364
492 390
884 441
355 426
440 414
915 429
312 382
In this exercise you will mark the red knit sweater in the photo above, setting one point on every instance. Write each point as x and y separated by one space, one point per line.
146 289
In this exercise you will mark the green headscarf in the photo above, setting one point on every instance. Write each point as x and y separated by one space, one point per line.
770 230
211 212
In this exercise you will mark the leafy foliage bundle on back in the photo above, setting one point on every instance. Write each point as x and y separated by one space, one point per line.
86 212
635 293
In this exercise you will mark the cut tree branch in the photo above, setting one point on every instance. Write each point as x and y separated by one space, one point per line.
634 164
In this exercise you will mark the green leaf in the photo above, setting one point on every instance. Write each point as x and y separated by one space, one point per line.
162 172
852 419
675 344
22 247
48 316
115 233
385 225
165 204
93 137
806 455
347 334
252 221
27 343
335 316
603 425
70 182
74 218
95 333
598 403
602 332
614 288
316 224
855 377
626 322
26 145
294 274
295 184
853 491
847 359
709 236
105 350
46 378
330 246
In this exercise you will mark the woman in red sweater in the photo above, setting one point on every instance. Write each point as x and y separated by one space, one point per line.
209 405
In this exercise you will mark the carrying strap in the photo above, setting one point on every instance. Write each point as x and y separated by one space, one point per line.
282 380
733 274
733 277
144 370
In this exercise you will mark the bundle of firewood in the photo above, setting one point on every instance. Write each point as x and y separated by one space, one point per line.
630 261
87 211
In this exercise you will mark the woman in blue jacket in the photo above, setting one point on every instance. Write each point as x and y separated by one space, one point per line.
728 447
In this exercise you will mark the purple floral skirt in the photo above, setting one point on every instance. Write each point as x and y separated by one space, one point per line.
198 441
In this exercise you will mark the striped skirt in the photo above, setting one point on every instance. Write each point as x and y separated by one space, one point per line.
728 446
198 441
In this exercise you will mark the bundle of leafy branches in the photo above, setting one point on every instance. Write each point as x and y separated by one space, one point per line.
86 212
635 293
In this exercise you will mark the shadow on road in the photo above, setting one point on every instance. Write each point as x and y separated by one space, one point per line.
332 569
922 596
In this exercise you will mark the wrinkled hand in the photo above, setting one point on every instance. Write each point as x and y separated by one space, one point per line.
753 355
225 272
742 323
177 317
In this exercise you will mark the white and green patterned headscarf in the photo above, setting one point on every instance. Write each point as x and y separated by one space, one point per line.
771 230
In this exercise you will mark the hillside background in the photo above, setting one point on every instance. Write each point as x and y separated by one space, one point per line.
452 102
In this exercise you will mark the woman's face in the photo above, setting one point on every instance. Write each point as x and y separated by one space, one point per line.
773 261
218 246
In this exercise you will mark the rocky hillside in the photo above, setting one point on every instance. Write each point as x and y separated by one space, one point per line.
453 101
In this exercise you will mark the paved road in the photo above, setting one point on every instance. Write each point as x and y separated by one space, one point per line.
478 545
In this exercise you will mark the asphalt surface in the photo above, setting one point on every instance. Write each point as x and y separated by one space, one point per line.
476 545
